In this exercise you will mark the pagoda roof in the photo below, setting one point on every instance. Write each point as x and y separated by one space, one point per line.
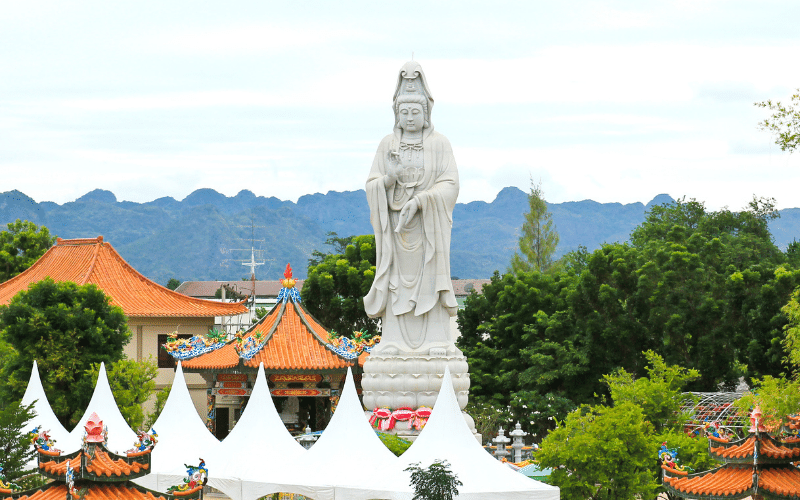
100 464
119 491
92 260
741 451
734 482
286 339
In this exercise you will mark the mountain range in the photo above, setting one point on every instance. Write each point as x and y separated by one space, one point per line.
207 235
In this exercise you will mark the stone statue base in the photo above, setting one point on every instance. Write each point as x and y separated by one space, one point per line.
412 381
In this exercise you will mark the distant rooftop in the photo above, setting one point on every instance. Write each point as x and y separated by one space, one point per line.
91 260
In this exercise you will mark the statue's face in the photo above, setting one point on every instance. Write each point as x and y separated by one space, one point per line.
411 117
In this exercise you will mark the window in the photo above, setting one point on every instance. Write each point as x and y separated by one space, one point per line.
164 359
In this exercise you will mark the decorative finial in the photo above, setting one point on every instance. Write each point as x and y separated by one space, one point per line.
288 281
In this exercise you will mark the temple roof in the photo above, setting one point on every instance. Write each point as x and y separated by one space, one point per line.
291 338
287 338
741 451
737 482
757 465
119 491
91 260
100 463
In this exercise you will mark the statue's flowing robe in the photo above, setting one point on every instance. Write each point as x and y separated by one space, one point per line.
412 276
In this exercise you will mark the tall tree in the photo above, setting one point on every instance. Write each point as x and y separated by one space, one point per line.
15 445
701 289
66 328
22 245
539 238
337 283
784 123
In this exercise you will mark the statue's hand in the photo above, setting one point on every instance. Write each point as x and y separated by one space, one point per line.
406 213
393 168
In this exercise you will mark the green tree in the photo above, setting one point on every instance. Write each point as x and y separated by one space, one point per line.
784 123
15 446
173 283
659 395
66 328
701 289
336 285
132 383
601 453
437 482
22 245
791 342
539 238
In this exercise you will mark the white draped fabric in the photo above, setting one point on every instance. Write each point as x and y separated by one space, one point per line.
447 437
260 457
183 438
258 447
45 417
345 453
120 435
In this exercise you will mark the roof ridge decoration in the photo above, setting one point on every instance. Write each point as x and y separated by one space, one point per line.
247 347
7 486
194 346
352 347
288 291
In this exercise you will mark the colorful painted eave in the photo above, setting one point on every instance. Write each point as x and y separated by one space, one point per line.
91 260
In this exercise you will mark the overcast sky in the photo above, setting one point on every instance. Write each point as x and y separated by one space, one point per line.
610 101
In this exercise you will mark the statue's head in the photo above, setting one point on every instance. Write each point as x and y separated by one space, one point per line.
412 88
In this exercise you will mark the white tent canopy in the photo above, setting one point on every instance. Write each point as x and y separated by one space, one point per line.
446 437
258 447
183 438
120 435
45 416
44 413
345 453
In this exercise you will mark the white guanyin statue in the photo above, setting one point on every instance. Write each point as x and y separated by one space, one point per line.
411 191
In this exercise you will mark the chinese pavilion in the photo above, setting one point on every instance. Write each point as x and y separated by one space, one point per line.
153 311
758 466
94 472
305 364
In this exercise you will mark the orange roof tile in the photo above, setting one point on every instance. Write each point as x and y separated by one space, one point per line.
104 465
94 261
96 492
737 482
294 341
781 481
296 344
743 449
724 481
58 467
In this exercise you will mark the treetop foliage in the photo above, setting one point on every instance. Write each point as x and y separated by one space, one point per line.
539 238
784 124
701 289
437 482
66 328
337 283
22 245
15 445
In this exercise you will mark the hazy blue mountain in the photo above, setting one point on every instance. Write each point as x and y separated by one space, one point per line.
207 235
